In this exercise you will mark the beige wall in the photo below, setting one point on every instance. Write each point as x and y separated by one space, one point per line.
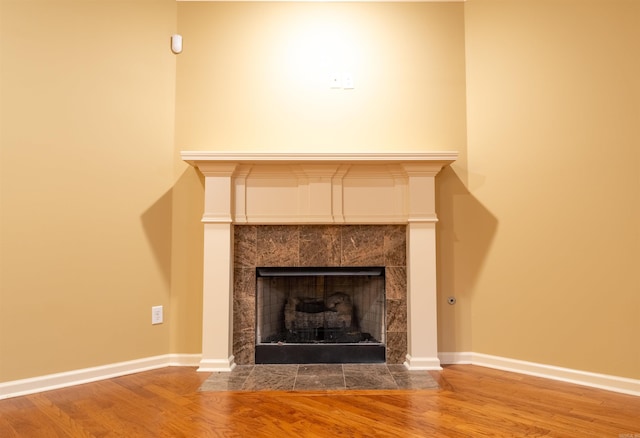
538 236
255 76
87 147
554 172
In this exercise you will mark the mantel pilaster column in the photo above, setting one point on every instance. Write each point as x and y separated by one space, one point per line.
217 305
422 330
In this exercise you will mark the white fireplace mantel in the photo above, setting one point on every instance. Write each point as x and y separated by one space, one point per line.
318 188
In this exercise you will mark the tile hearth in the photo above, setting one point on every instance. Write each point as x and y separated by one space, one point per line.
318 377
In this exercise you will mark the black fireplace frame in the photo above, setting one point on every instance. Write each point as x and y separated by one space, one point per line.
310 353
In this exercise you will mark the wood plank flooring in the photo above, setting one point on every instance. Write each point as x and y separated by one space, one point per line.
471 402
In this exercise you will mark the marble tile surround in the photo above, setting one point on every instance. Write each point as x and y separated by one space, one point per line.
319 245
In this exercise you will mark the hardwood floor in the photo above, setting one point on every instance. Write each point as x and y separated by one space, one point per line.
471 402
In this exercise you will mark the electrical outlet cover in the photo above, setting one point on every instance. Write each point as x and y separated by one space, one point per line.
156 315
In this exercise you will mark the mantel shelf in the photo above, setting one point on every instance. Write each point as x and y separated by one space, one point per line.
195 157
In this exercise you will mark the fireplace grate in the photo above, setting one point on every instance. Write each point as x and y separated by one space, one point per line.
321 335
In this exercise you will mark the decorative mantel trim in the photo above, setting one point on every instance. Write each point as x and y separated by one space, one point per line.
319 188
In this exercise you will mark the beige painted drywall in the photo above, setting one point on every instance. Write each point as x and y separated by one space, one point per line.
554 171
88 94
256 76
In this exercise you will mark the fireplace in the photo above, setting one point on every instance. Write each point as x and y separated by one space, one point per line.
337 193
320 315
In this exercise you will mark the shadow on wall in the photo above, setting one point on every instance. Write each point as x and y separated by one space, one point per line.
185 270
182 202
465 232
157 224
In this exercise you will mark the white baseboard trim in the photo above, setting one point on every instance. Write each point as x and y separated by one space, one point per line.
422 363
77 377
457 358
48 382
184 360
217 365
595 380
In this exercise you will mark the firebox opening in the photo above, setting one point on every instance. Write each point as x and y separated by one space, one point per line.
320 315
